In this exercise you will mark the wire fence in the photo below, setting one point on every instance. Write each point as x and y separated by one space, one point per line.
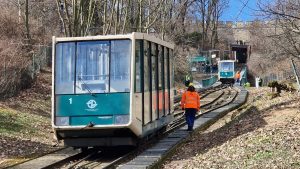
278 76
41 59
296 70
291 74
14 77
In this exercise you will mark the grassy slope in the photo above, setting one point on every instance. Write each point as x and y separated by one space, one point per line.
25 123
265 136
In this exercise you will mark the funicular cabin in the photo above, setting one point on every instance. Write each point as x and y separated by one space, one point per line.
111 90
198 64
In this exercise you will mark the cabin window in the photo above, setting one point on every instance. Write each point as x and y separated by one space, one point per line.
147 83
146 66
154 70
120 66
138 65
226 66
92 67
161 81
160 67
64 68
171 65
167 80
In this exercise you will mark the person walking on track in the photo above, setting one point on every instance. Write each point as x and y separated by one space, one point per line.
190 102
237 77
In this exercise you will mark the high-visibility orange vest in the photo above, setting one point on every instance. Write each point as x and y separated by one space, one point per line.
190 100
237 75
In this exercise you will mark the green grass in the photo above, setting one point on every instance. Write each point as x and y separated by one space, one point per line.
263 155
261 140
15 123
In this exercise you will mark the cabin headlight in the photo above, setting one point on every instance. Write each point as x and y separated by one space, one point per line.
62 121
121 119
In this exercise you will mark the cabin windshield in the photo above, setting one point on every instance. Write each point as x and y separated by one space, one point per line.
227 66
92 67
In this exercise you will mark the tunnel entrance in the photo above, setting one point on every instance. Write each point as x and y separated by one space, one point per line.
242 52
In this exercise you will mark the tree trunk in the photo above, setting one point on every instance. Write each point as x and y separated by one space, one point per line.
27 22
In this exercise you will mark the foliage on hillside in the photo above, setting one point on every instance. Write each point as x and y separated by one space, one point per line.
26 25
16 50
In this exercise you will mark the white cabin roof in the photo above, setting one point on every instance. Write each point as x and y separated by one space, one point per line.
132 36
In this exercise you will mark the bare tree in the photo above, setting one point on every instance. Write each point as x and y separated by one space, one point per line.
76 16
209 12
27 21
285 17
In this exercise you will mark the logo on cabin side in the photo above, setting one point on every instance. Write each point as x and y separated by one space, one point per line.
91 104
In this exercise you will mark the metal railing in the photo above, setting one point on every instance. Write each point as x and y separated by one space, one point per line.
210 81
243 77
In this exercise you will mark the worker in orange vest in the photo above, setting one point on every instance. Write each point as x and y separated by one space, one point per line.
237 77
190 102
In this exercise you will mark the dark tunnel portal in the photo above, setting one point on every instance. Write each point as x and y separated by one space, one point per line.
241 54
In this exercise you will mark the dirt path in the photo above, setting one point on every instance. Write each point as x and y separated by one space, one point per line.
262 134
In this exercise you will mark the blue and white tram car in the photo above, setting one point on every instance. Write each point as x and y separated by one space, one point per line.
111 90
226 71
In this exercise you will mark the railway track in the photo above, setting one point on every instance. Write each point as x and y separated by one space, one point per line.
211 99
96 159
153 156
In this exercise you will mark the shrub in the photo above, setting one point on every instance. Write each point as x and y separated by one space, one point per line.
281 86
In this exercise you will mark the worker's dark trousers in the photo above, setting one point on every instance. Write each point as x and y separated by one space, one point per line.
190 117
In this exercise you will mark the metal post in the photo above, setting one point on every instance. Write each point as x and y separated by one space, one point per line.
19 13
296 73
61 11
33 60
5 66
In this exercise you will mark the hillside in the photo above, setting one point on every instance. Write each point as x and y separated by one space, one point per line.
264 133
25 127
